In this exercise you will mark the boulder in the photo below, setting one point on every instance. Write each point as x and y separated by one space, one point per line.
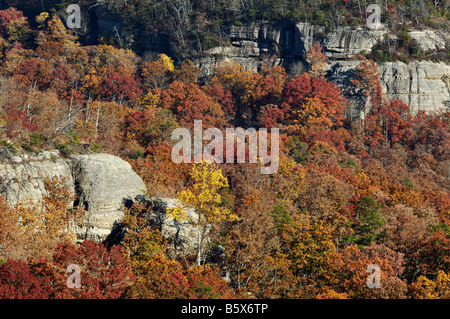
182 234
103 182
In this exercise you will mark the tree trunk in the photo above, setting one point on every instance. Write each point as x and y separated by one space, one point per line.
199 242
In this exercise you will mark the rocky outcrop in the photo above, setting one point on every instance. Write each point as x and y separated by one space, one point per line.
248 43
305 35
345 42
244 52
429 40
341 73
101 182
103 185
22 176
422 85
252 42
182 234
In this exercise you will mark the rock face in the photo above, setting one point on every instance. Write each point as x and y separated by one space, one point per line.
248 43
101 182
181 233
341 74
305 35
22 176
422 85
243 52
430 39
103 185
344 43
251 42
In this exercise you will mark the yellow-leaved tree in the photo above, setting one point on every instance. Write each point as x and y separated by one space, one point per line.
425 288
204 196
157 74
168 62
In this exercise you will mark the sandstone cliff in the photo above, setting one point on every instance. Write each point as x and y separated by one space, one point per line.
422 85
101 182
104 185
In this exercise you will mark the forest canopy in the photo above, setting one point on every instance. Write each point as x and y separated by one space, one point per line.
347 194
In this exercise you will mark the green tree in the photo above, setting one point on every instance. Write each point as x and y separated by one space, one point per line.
368 222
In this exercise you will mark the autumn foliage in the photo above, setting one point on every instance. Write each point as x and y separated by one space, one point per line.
105 274
347 194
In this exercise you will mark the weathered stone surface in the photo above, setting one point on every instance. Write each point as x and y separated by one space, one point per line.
180 233
341 73
22 176
102 183
248 42
422 85
305 35
241 49
430 39
208 63
272 34
345 42
245 32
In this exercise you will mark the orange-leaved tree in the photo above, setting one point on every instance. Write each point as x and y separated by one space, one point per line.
312 103
317 60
